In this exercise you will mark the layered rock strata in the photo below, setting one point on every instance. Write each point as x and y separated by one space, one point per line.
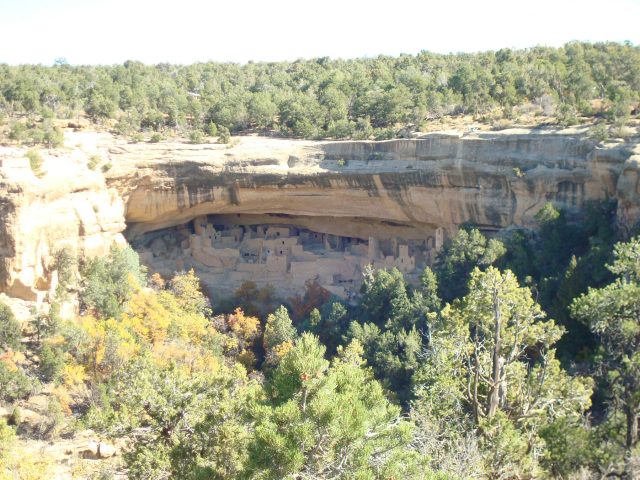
397 190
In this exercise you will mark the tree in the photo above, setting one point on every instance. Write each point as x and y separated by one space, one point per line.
279 334
186 288
467 250
492 356
109 281
613 315
186 424
10 329
329 421
394 327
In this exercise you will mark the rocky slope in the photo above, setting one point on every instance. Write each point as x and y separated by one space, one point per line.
405 188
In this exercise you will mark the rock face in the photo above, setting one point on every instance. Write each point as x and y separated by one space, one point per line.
397 189
70 206
492 180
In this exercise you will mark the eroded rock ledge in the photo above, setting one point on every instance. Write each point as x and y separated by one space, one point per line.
398 189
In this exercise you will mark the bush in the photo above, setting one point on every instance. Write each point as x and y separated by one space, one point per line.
7 439
10 329
14 383
18 132
212 129
55 416
196 137
155 138
599 132
94 161
53 136
15 418
106 167
224 136
51 363
109 281
35 162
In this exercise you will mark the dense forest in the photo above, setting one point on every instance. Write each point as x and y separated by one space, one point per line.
380 97
515 357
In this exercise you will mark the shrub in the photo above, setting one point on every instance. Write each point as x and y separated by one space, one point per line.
94 161
106 167
51 363
109 281
53 136
196 136
15 418
14 383
599 132
55 416
212 129
10 329
18 132
35 162
224 136
155 138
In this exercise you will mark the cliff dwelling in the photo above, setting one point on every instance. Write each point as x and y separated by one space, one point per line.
228 250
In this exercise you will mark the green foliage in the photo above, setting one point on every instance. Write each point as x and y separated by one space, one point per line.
224 136
65 262
7 441
467 250
14 383
212 129
329 421
94 161
35 162
10 329
599 133
156 137
395 326
612 313
186 423
279 334
491 357
51 363
109 281
570 446
186 288
356 98
196 136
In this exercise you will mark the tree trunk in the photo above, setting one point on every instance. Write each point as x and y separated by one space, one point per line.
632 426
476 373
496 375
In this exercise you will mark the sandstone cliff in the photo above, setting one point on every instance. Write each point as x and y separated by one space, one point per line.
404 188
70 206
438 180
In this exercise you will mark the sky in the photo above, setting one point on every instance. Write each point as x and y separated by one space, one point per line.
187 31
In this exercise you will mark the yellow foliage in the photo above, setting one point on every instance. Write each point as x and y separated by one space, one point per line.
279 351
73 375
64 398
246 328
157 281
9 359
147 317
248 359
185 324
26 466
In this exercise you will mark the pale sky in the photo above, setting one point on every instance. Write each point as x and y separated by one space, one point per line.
187 31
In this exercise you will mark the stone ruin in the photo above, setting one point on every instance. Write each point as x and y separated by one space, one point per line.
285 256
